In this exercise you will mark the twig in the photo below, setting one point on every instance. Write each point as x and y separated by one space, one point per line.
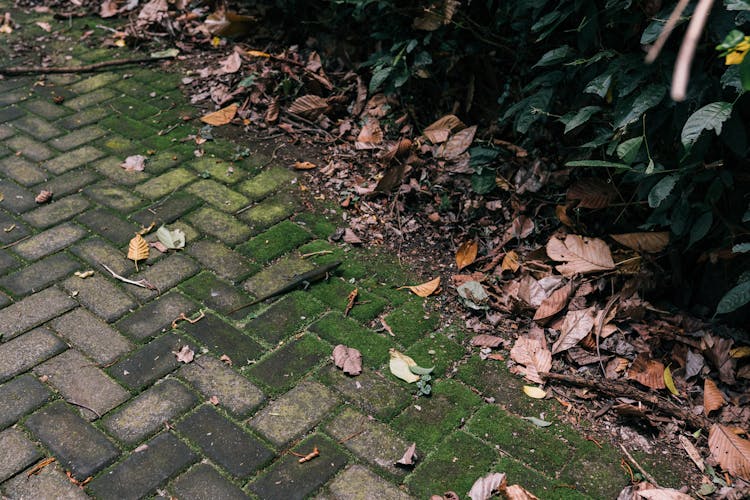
638 466
313 254
182 317
15 242
41 465
655 49
681 73
86 68
600 325
98 415
309 456
143 283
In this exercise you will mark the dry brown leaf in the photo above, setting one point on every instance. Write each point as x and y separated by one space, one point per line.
108 8
309 106
692 452
370 136
44 196
649 242
231 64
531 291
304 165
516 492
272 113
576 325
580 254
561 211
226 359
648 372
391 178
223 23
458 144
485 340
555 303
221 117
592 192
159 246
348 359
185 355
351 238
410 456
662 494
510 262
436 15
137 249
425 289
731 451
483 488
520 228
440 130
533 357
713 399
134 163
466 253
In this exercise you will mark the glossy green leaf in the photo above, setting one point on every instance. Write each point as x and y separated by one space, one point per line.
573 120
734 298
597 163
632 110
709 117
599 85
744 69
628 150
661 190
737 4
741 248
701 227
554 56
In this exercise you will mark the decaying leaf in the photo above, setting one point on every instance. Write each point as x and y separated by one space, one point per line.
440 130
214 400
713 399
309 106
555 303
532 356
648 372
580 254
185 355
537 421
534 392
348 359
663 494
410 456
592 192
224 23
226 359
425 289
731 451
473 294
222 116
649 242
466 253
137 249
44 196
485 340
304 165
172 239
458 143
520 228
483 488
436 15
231 64
510 262
371 135
575 326
692 452
400 364
517 492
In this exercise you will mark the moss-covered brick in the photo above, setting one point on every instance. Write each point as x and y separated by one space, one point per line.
277 240
218 195
370 391
92 83
220 225
266 182
269 212
219 169
31 149
37 127
428 420
121 146
165 183
46 109
276 276
596 472
537 483
110 167
459 461
164 160
322 252
221 338
77 137
336 329
83 118
133 88
167 211
133 108
436 350
336 292
91 99
320 225
214 293
73 159
282 369
161 81
22 171
410 322
128 127
222 260
113 196
219 148
284 318
100 54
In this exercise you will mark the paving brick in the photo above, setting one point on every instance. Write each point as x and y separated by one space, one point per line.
166 183
267 182
30 148
100 296
7 261
121 146
214 293
22 171
269 212
77 138
114 197
5 129
373 441
294 413
83 118
134 108
222 338
285 317
156 316
146 414
15 198
358 482
278 240
106 224
79 380
45 109
57 211
203 481
212 377
149 363
288 364
18 453
39 275
337 329
165 274
36 127
87 100
225 443
13 229
50 483
222 260
73 159
94 82
219 169
33 311
168 210
27 351
287 479
49 241
143 472
8 113
13 96
218 195
70 182
110 167
220 225
130 128
77 445
20 396
276 275
370 391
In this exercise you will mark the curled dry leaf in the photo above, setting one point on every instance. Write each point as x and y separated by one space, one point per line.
137 249
309 106
304 165
510 262
44 196
410 456
555 303
440 130
575 326
348 359
485 340
533 358
226 359
466 253
649 242
185 355
731 451
221 117
516 492
483 488
648 372
272 113
370 136
580 254
713 399
592 192
400 364
425 289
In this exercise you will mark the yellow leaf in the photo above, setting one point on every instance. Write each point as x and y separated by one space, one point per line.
424 289
304 165
466 253
399 366
222 116
740 352
258 53
669 381
534 392
510 262
137 249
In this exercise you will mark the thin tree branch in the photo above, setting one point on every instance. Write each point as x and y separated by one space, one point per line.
23 70
655 49
681 74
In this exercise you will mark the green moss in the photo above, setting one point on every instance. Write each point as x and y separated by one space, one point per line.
220 169
165 183
132 129
437 350
277 240
443 412
120 145
163 160
266 182
218 195
269 212
339 330
285 317
282 369
410 322
537 483
456 464
134 108
319 225
335 293
596 472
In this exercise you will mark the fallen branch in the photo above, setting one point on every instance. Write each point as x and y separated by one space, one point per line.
648 476
41 465
141 283
86 68
98 415
620 389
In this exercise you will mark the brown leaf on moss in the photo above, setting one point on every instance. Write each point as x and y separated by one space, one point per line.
532 356
221 117
348 359
424 289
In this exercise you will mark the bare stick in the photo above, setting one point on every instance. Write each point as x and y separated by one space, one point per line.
141 283
98 415
655 49
22 70
638 466
681 73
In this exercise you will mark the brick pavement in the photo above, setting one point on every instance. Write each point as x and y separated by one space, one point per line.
87 370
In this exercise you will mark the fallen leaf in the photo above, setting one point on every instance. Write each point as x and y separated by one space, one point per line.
516 492
510 262
532 356
159 246
425 289
44 26
171 238
669 381
538 421
222 116
474 295
575 326
466 253
534 392
370 136
231 64
410 456
649 242
530 291
713 399
520 228
309 106
440 130
348 359
592 192
185 355
304 165
134 163
141 448
580 254
108 8
731 451
213 400
458 143
485 340
226 359
400 364
648 372
555 303
436 15
44 196
137 249
663 494
351 238
483 488
227 23
561 211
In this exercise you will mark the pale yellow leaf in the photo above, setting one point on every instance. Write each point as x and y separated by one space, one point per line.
534 392
222 116
669 381
692 452
466 253
425 289
399 365
510 262
258 53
